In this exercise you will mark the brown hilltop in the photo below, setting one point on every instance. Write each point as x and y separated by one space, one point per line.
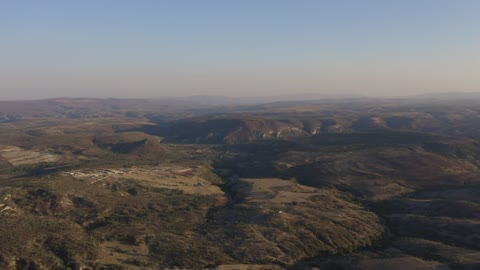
132 143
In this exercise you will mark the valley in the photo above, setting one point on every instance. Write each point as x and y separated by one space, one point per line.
326 184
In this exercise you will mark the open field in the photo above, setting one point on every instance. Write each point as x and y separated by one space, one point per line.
165 176
18 156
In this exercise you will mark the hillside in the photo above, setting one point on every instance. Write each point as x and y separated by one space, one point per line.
228 131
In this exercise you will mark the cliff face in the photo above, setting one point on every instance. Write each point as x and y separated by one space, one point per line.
231 131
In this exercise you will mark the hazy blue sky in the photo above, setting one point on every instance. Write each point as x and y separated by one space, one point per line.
141 48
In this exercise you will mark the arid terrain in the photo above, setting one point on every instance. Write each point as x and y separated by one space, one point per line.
367 184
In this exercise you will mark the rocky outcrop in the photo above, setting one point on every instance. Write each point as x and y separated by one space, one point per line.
230 131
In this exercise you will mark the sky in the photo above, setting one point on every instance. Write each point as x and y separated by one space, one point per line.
155 48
